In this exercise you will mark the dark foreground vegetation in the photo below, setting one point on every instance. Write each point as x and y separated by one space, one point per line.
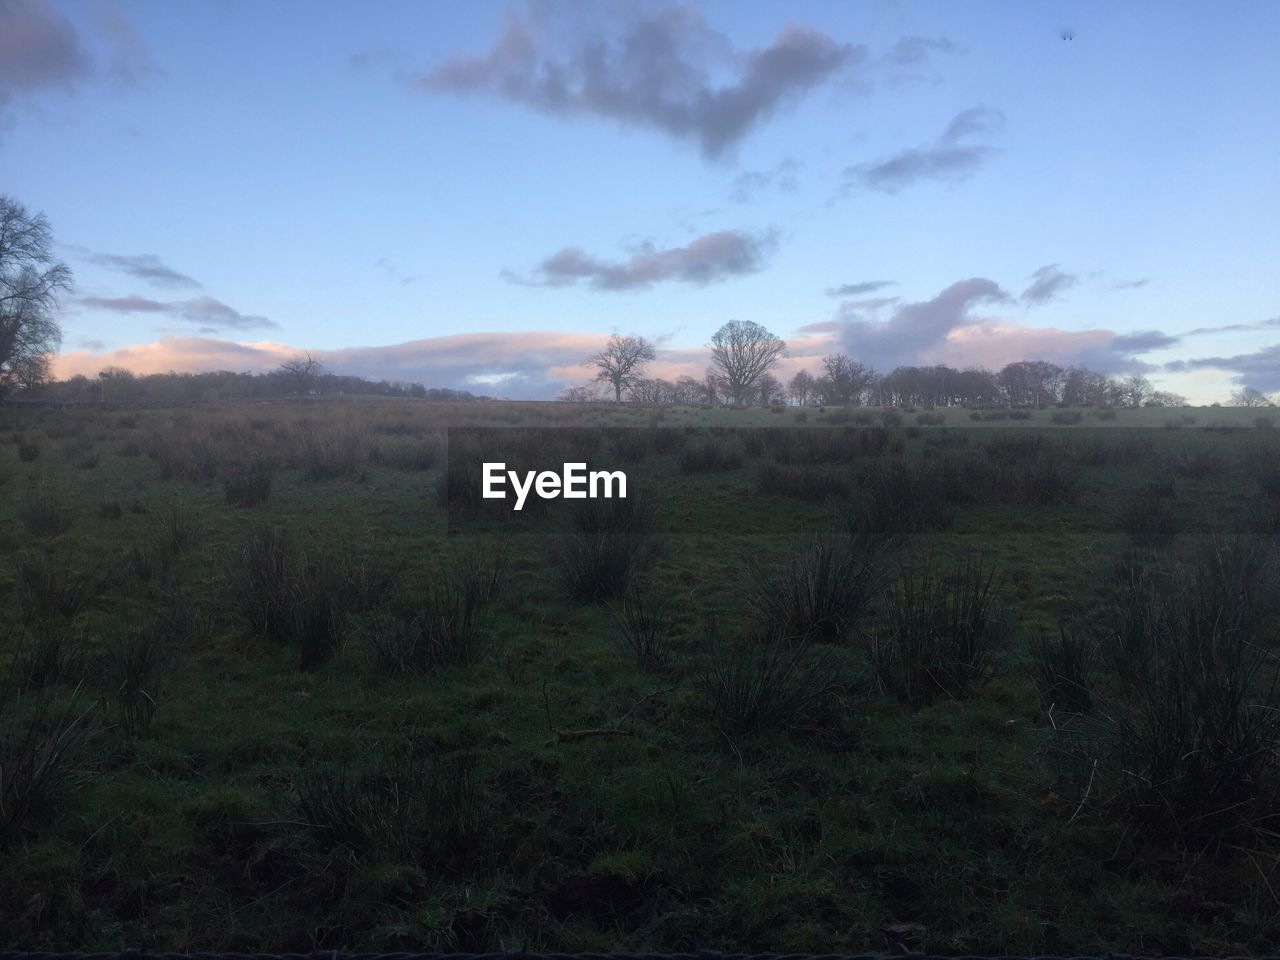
833 679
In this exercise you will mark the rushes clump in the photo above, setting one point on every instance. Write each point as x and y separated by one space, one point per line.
1063 671
43 515
402 808
1150 522
608 542
765 685
941 634
135 667
250 487
1185 751
448 625
821 592
48 587
42 750
643 624
48 658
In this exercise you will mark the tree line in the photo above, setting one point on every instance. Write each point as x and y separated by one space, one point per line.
744 354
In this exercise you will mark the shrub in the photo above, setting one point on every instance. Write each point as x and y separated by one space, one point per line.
607 543
48 587
1019 414
43 515
330 454
1045 480
42 750
890 418
763 686
931 419
109 510
820 593
940 634
28 451
1064 665
1264 422
250 487
643 625
1066 416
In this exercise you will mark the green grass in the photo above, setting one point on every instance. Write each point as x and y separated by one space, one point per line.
556 788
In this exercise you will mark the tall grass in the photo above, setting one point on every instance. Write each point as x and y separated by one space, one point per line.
764 685
608 542
941 633
43 749
447 624
643 626
821 591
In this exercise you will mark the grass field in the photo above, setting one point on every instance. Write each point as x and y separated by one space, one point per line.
839 679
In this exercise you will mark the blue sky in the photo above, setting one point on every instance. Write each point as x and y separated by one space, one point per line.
475 194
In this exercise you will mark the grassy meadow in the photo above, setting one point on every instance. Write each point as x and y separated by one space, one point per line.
831 679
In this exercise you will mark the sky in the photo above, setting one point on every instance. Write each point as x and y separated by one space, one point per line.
475 195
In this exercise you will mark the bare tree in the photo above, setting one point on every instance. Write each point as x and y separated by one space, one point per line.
741 353
303 370
846 378
1249 397
621 363
801 388
30 279
1136 390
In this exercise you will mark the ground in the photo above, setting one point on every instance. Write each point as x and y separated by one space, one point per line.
229 785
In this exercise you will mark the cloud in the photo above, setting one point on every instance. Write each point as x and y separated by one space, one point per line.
1046 284
658 69
1236 327
911 51
208 313
536 364
142 266
130 62
915 327
855 289
39 47
1260 369
949 158
708 259
746 186
947 329
1129 284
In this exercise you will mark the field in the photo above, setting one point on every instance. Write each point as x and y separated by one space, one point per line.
832 680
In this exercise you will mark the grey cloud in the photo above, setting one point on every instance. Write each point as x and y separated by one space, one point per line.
1129 284
1260 369
856 289
39 47
949 158
1046 284
143 266
915 327
747 185
910 51
130 61
1142 342
653 70
1236 327
708 259
207 313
